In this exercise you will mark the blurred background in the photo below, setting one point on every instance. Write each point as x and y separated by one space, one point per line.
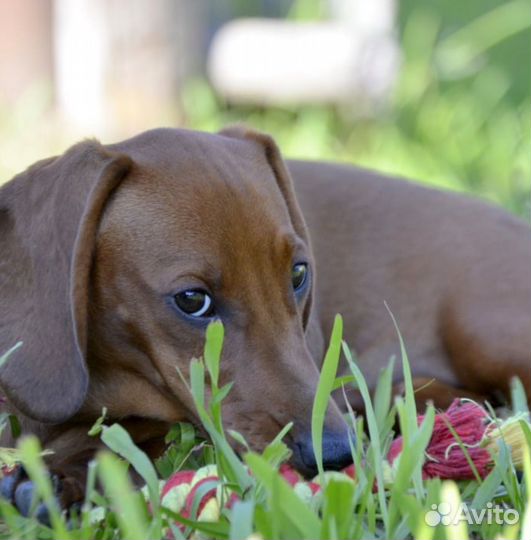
435 90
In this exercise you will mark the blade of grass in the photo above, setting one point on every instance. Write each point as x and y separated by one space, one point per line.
17 526
241 520
219 529
338 507
486 490
467 43
227 460
212 353
456 529
30 452
324 389
409 425
197 380
463 448
293 512
263 522
202 490
373 433
87 503
410 461
518 396
236 470
527 432
382 395
276 451
409 395
415 517
212 357
526 522
127 503
343 381
119 441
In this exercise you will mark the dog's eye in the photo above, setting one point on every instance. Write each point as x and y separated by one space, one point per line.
194 302
299 273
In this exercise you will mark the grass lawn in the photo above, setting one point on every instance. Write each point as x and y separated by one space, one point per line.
381 502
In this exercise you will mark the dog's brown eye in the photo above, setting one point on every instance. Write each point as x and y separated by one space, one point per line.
194 302
299 273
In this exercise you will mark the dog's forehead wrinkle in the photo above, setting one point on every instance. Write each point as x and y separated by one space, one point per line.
201 189
201 154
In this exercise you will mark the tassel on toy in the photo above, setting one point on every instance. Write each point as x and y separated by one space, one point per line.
467 425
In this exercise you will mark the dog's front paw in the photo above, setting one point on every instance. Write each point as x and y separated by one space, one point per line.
21 491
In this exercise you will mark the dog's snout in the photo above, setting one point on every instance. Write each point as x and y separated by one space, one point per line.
336 452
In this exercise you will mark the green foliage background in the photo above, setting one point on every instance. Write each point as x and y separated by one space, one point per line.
459 116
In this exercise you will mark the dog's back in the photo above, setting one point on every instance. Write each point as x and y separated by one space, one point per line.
455 271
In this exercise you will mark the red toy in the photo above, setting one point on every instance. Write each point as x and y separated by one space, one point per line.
477 431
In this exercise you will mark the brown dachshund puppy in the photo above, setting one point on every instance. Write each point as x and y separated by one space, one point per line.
114 259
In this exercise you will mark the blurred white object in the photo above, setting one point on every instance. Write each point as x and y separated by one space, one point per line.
119 64
81 47
276 61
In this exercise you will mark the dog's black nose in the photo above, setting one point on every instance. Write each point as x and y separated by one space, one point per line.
336 452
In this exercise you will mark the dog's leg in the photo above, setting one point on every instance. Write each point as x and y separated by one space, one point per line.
72 450
426 390
488 348
437 392
433 379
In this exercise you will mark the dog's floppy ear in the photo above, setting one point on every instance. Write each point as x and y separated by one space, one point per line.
48 224
283 178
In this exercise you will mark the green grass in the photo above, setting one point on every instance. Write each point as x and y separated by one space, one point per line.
269 507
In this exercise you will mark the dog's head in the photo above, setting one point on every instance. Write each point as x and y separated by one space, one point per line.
117 258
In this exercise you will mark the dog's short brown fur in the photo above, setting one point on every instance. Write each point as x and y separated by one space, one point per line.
95 243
